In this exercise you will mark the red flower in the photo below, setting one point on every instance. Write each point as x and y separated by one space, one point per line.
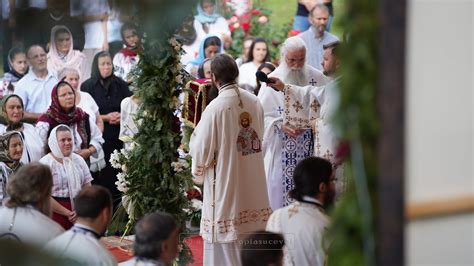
343 150
256 12
193 194
292 33
246 26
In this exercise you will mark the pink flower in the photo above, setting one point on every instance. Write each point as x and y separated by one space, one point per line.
246 26
262 20
233 19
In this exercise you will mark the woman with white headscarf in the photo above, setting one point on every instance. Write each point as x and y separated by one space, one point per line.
70 174
61 53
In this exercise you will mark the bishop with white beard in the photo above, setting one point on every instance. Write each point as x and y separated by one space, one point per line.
282 147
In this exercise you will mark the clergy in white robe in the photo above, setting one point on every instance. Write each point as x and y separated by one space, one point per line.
27 225
81 243
25 216
226 151
281 151
303 222
314 107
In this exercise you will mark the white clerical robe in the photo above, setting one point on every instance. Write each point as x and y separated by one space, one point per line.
302 225
82 246
27 225
315 107
226 151
279 171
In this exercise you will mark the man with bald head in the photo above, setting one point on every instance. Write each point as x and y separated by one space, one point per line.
35 87
317 36
277 136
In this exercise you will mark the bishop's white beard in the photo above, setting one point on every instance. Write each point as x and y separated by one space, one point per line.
298 77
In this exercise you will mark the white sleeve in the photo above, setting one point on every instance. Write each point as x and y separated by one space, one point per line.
203 145
21 91
42 128
119 70
96 136
223 26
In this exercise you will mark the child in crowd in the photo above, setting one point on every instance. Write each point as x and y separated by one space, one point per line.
127 57
18 68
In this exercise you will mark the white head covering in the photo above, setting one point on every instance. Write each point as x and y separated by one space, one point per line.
73 178
74 58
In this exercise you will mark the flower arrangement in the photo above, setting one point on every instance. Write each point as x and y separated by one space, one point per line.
256 23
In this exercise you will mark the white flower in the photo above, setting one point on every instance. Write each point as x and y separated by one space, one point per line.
124 168
196 204
114 160
177 166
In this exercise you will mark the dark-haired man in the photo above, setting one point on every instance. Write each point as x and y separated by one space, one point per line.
227 157
262 248
156 241
303 222
93 207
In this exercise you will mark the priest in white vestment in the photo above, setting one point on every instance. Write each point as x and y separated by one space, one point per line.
283 150
26 215
303 222
226 148
81 243
314 107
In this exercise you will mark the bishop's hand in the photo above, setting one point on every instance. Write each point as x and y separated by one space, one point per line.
276 83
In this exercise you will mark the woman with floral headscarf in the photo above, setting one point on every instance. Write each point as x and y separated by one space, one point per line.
70 174
11 150
87 136
61 53
13 112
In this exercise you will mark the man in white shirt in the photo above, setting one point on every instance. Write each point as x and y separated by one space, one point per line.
279 143
156 241
35 88
26 215
303 222
93 207
227 156
317 36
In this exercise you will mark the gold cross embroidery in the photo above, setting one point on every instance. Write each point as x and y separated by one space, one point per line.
315 106
297 105
328 156
293 210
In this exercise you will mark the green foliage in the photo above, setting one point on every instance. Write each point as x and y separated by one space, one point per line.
352 231
149 181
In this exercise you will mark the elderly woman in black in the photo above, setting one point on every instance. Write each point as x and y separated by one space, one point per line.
108 92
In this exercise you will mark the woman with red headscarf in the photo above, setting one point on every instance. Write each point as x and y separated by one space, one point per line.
87 136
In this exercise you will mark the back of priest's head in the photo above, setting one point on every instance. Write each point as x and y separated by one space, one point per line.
91 201
156 237
308 176
31 185
224 69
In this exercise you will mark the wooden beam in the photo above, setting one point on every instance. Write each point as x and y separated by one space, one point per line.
390 148
439 207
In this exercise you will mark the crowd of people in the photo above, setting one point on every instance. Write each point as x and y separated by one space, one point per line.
264 150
